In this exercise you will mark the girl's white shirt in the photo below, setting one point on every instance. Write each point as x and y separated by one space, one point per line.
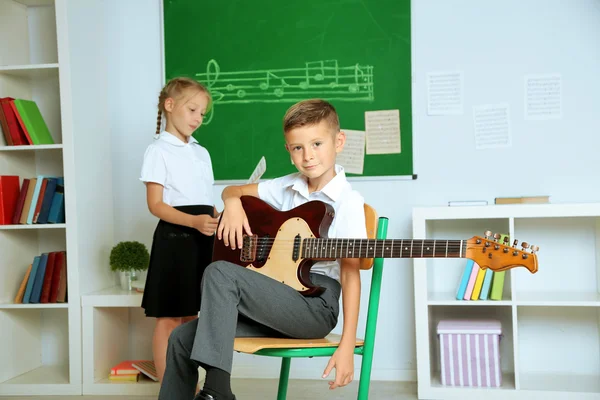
183 169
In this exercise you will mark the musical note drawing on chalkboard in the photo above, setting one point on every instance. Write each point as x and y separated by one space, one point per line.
317 79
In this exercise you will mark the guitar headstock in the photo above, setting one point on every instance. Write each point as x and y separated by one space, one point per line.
488 252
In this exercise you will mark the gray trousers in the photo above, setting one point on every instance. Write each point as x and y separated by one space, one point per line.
237 302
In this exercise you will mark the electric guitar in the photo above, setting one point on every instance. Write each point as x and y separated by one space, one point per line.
285 245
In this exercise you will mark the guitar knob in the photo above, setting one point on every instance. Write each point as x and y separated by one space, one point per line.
497 236
488 234
534 248
515 243
524 245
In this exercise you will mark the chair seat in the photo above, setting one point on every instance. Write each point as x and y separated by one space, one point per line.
251 345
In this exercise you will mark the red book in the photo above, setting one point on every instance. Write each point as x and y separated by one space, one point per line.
48 276
59 265
14 128
9 195
20 201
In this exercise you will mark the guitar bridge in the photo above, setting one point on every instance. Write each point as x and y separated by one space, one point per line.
248 252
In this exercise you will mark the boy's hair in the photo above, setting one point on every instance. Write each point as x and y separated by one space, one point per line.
311 112
174 89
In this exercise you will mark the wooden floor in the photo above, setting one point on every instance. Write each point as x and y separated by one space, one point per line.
266 389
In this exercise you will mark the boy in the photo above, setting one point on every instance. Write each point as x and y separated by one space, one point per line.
237 302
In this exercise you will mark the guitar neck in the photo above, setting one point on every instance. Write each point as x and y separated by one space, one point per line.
319 248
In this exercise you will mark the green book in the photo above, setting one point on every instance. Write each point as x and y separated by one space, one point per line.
498 280
34 122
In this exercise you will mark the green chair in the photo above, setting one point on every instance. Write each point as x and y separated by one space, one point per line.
294 348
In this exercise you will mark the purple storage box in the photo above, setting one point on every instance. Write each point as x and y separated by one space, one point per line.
470 352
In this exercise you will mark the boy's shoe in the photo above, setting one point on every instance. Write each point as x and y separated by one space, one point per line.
202 395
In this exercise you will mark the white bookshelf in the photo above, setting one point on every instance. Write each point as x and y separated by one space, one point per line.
550 348
39 342
115 329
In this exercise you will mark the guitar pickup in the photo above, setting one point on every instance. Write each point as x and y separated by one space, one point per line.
248 252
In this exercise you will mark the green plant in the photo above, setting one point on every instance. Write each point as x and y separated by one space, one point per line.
129 256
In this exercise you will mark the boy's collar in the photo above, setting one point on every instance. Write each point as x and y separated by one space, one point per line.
172 139
333 188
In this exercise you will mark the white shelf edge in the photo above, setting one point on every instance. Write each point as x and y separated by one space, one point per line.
558 210
32 147
33 306
27 67
32 226
112 297
105 387
467 303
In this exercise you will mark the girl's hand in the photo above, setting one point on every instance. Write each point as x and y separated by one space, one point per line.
206 224
343 362
233 224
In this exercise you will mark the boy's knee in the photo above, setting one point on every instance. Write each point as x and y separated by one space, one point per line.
217 271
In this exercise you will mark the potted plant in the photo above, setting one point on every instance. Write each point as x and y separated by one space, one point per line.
127 258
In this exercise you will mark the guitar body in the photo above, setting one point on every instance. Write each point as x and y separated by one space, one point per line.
275 232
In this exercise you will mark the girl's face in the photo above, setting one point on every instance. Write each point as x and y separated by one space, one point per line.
185 114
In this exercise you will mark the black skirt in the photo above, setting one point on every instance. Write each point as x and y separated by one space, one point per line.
178 258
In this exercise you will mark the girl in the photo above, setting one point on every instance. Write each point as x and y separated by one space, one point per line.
178 175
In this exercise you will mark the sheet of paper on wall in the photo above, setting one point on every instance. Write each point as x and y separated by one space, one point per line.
543 96
383 131
492 126
445 93
260 169
352 157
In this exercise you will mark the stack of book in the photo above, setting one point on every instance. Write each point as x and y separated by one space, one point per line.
132 370
39 200
479 284
45 280
22 124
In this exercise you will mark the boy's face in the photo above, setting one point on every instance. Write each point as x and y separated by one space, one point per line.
313 150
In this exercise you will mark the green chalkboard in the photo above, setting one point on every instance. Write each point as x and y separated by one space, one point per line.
259 57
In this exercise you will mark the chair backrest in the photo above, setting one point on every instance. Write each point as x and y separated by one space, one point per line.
371 224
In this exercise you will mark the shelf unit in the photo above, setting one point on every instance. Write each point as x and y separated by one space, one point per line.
550 345
115 329
40 340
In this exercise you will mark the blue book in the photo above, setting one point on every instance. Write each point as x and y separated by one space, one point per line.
47 201
36 292
32 274
464 281
487 284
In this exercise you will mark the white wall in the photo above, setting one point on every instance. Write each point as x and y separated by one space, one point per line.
495 44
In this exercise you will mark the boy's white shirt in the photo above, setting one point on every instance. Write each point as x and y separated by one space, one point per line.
290 191
183 169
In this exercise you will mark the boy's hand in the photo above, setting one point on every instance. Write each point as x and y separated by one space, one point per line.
206 224
233 224
343 362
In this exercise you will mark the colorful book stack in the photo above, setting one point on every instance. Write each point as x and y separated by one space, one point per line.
131 370
479 284
45 280
22 124
40 200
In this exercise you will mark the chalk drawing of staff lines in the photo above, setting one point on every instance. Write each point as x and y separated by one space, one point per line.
317 79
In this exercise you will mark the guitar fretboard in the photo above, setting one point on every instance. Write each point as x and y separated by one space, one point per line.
385 248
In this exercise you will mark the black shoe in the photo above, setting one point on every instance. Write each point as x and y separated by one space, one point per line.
202 395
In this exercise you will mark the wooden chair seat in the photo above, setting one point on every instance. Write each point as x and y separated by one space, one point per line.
251 345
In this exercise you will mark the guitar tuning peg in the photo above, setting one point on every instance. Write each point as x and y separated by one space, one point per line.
524 245
515 243
506 240
497 236
534 249
488 234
